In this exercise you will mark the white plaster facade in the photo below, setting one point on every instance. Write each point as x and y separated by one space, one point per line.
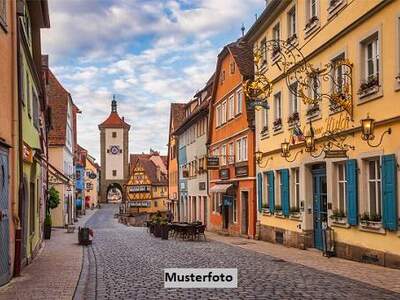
114 162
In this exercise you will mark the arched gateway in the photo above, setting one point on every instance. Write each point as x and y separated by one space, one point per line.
114 141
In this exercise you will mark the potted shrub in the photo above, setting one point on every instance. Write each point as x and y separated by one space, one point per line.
265 208
338 216
278 210
368 87
157 227
294 212
53 200
371 221
164 228
47 227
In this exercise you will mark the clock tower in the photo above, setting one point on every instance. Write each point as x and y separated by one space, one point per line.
114 149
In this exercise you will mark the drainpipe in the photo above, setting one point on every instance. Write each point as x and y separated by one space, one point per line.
18 230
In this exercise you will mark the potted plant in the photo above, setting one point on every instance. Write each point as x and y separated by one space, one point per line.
369 86
47 227
277 124
164 228
53 200
294 212
311 21
371 221
338 216
157 227
313 110
265 208
278 210
294 117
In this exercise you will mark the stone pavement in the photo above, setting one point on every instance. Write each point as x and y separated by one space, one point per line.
54 273
127 263
371 274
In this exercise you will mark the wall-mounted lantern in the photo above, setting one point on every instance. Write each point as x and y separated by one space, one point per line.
367 131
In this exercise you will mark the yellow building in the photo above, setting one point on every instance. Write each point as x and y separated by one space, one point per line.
330 65
147 188
91 182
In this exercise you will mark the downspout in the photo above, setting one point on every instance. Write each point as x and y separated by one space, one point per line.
18 230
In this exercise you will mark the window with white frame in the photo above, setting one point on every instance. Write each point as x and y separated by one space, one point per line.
223 155
294 101
278 106
223 112
341 187
292 22
3 13
231 153
276 35
231 107
338 74
278 201
264 113
263 49
265 198
296 188
312 10
374 187
241 149
219 115
234 210
371 54
239 101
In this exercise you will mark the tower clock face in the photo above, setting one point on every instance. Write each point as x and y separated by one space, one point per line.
114 149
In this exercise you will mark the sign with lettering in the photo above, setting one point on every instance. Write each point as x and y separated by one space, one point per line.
139 189
224 174
139 204
242 171
213 162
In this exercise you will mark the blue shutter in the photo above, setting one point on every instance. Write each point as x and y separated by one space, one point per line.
259 191
285 191
389 194
352 192
271 190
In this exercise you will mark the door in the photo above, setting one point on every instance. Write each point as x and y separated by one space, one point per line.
245 212
320 213
4 219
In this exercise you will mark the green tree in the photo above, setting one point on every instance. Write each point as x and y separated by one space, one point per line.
53 199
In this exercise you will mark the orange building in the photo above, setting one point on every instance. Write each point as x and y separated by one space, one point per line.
177 115
231 145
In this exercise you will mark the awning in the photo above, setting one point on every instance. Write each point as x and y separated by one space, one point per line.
220 188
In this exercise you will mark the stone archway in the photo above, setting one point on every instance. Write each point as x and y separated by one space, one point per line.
114 193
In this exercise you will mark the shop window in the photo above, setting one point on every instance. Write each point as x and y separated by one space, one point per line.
374 187
341 187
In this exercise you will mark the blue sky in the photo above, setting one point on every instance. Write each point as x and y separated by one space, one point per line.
149 53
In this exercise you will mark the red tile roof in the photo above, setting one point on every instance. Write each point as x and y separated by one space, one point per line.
150 168
114 121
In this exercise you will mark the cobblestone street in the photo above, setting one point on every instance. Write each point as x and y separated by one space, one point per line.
127 263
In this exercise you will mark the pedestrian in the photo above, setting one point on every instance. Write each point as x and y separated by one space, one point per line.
170 216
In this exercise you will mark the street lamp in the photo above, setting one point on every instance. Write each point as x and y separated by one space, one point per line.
285 152
259 159
367 131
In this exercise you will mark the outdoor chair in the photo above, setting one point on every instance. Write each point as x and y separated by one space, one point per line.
200 230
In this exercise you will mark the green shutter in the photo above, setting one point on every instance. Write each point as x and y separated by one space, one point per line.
259 191
352 192
271 190
285 191
389 192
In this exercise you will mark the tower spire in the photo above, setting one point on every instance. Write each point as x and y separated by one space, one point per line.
114 104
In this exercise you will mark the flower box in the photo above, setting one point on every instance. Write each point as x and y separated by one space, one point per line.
333 5
313 111
292 39
277 124
266 212
368 87
374 225
311 22
276 50
295 215
339 221
264 130
293 118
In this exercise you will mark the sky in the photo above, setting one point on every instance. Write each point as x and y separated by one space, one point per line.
148 53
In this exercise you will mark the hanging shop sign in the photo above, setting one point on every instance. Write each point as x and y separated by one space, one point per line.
139 189
224 174
227 200
242 171
139 204
213 162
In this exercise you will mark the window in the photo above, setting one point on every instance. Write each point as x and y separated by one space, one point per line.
231 107
278 106
239 101
231 153
219 115
35 102
114 173
276 35
294 101
155 204
296 188
312 8
223 155
233 67
241 149
315 88
374 187
265 199
264 120
222 77
223 112
3 14
371 55
28 95
263 49
32 201
341 187
338 74
292 22
114 134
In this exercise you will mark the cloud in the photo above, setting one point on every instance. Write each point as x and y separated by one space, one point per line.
148 52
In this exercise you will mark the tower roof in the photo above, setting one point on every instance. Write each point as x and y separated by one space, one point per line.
114 120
